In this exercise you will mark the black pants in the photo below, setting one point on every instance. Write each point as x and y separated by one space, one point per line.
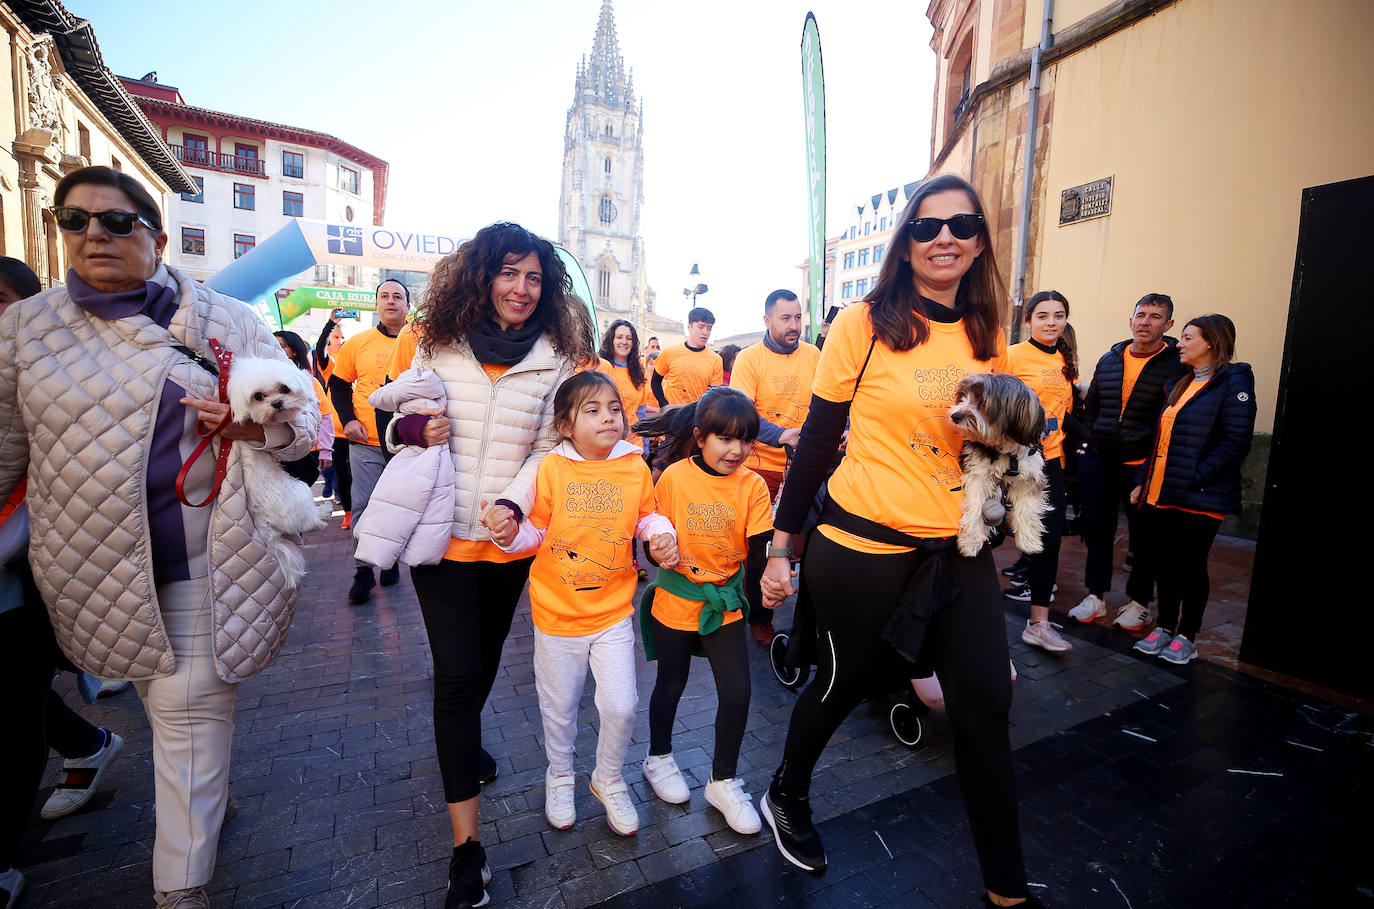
728 654
28 658
854 595
343 476
467 607
1044 565
1179 542
1104 485
69 734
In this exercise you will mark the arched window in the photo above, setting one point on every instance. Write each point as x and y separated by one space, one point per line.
54 256
608 165
603 284
607 211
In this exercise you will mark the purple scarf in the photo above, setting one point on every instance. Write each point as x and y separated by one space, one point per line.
152 300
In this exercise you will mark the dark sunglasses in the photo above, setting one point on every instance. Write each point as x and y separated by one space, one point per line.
963 227
116 223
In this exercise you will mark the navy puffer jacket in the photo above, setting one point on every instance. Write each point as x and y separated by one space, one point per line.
1126 436
1211 436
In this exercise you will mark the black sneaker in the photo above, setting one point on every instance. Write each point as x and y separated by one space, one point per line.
486 767
796 838
468 876
1019 567
1020 593
363 582
391 576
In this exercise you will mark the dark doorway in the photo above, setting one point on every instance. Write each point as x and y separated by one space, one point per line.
1309 613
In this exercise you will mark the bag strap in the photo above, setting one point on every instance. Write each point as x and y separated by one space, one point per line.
836 516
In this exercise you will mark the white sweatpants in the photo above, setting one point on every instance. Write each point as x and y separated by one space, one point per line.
191 713
560 672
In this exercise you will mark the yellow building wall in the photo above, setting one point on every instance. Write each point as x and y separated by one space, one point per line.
1212 116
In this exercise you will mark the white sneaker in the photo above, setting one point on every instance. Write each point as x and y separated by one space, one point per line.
1131 617
667 782
1044 636
729 798
620 808
82 776
1091 609
11 885
558 799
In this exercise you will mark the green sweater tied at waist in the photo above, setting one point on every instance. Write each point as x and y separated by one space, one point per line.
715 600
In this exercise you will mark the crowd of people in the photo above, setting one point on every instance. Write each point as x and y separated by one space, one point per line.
552 462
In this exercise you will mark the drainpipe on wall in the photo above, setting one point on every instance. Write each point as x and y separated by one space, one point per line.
1028 170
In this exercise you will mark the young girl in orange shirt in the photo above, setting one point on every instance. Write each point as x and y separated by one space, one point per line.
719 509
593 496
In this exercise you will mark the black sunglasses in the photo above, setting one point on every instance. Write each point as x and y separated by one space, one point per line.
116 223
963 227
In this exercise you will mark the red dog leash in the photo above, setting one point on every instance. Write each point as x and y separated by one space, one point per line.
224 358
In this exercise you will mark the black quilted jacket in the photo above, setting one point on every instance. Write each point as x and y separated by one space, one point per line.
1127 436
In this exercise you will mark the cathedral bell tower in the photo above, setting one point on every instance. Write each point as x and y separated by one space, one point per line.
603 180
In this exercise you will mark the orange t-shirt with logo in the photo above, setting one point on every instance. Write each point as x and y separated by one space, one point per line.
1044 373
714 517
780 387
631 398
688 373
459 550
583 578
902 466
362 362
1132 366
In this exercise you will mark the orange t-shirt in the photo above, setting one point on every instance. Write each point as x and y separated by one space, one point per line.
714 518
1161 452
583 578
780 387
326 409
631 398
459 550
688 373
362 362
902 466
1044 373
1133 366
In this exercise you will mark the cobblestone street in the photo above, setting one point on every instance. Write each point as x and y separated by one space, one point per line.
1141 785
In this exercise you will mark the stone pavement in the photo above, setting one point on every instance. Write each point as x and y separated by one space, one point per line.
1141 785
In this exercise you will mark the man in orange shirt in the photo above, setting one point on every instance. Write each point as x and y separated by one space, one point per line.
683 372
359 370
776 375
1121 409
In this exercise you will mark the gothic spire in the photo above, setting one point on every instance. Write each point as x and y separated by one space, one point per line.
603 76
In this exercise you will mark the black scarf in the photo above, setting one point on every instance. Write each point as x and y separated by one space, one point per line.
495 345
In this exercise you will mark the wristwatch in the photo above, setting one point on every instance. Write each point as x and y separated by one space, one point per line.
778 552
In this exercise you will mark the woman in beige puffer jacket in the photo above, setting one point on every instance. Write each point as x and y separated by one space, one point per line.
502 329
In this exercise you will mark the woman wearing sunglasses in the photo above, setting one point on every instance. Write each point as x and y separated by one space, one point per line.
103 385
889 368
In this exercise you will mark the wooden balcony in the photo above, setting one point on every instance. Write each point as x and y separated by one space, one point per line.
204 157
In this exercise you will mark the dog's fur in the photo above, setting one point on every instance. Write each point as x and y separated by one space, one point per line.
1002 423
267 391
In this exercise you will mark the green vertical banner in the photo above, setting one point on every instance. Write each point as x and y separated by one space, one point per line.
813 91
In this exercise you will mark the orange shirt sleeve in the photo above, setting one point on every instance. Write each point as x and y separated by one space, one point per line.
346 360
760 506
846 347
665 360
403 354
745 375
717 373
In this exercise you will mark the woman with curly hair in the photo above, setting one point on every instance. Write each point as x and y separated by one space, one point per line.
502 329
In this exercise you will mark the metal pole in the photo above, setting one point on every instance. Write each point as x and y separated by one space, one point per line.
1028 171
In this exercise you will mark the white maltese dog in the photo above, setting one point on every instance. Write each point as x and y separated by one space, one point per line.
267 391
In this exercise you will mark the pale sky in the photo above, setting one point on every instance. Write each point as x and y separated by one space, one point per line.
468 103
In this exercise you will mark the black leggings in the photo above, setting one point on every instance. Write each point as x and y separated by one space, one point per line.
343 474
467 607
1179 542
967 640
1105 486
727 652
1044 565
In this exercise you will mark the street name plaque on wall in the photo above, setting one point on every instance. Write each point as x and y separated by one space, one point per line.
1081 203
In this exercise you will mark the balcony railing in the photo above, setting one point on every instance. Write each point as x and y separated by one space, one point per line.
203 157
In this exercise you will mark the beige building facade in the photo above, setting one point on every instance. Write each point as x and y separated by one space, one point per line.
65 110
1175 138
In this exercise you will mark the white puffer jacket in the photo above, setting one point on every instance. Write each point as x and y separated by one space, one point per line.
500 430
409 516
78 396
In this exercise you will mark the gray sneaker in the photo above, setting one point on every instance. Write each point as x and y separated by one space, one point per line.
1154 642
1180 650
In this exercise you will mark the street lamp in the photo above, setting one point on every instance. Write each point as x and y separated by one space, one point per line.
696 284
